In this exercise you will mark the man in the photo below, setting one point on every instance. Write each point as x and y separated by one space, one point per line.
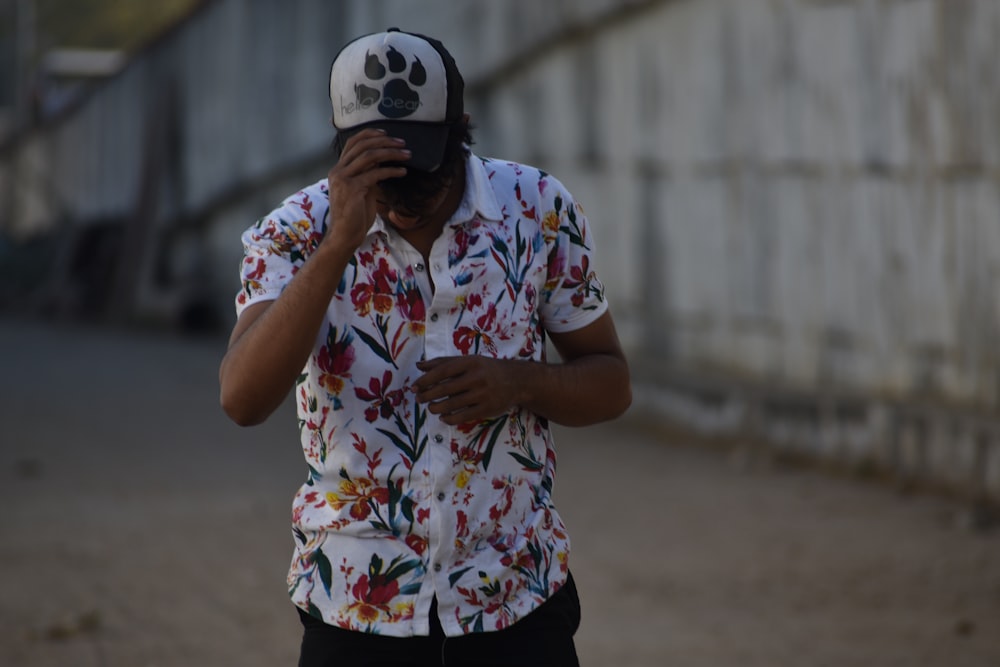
406 299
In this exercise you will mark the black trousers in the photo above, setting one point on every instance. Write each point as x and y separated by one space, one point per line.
544 638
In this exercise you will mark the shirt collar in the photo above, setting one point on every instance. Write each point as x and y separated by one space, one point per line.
479 199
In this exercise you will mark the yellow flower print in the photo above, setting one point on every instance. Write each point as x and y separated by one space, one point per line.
550 224
360 495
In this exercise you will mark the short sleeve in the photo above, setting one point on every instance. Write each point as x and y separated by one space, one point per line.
573 296
277 245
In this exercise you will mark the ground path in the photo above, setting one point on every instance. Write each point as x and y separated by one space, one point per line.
138 528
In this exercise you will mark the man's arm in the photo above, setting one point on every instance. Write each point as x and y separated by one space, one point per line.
590 386
272 340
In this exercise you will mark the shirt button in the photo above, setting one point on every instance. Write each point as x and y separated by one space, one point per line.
437 567
441 496
438 438
434 317
419 267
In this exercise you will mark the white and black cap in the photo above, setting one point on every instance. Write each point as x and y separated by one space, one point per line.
404 83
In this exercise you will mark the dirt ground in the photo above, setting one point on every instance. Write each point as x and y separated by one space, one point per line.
140 529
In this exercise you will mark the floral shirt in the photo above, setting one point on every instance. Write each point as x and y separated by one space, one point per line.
399 507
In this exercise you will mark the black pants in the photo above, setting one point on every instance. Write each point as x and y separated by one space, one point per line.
544 638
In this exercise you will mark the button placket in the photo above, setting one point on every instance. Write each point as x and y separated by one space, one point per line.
441 495
440 478
435 263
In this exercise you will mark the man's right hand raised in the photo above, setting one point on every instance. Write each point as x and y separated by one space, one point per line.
273 339
368 157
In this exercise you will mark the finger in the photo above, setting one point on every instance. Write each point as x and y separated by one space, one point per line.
434 362
369 178
439 391
453 405
366 135
461 381
374 157
369 149
471 414
438 370
362 144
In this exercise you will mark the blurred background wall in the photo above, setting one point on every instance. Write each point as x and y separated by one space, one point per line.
797 202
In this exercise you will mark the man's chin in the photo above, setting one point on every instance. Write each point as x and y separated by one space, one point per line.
409 226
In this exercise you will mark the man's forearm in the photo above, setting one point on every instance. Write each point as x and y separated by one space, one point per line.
583 391
272 341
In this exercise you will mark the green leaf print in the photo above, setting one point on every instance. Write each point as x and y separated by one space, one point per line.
414 447
458 574
529 464
573 230
496 426
376 346
324 567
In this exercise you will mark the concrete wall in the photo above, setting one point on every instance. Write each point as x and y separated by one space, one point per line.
797 201
812 186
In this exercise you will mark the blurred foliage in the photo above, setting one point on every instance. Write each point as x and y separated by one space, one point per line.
105 24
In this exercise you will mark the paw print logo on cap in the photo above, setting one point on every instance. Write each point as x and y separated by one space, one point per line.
394 78
397 99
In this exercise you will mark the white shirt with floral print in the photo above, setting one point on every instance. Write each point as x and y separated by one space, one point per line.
399 507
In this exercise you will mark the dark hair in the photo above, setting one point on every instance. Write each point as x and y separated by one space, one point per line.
411 192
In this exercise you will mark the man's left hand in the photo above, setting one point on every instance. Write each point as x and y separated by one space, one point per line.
470 388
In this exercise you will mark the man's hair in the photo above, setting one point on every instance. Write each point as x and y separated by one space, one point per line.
411 192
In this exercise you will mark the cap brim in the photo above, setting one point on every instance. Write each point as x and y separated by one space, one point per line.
426 141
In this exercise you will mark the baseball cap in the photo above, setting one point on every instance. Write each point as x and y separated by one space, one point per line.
404 83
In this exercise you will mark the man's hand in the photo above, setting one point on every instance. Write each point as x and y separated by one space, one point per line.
471 388
353 184
272 340
589 386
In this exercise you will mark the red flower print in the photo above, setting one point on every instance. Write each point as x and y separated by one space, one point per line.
384 280
383 400
460 246
381 591
258 271
488 319
580 273
378 293
502 506
335 360
307 205
411 306
556 269
373 597
468 339
417 543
